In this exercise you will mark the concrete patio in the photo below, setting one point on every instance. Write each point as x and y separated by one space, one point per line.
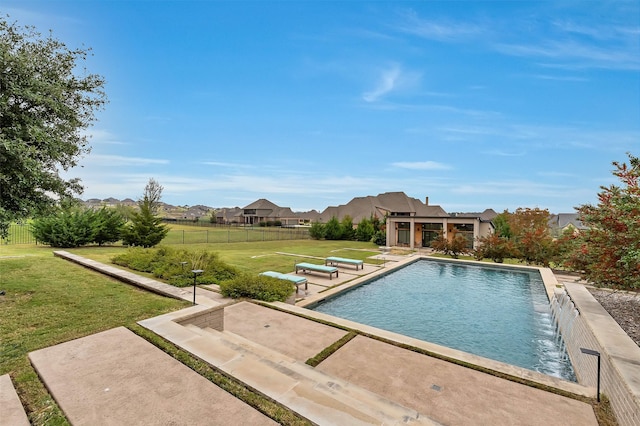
366 381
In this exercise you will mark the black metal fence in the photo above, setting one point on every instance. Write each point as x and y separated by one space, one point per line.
21 234
235 235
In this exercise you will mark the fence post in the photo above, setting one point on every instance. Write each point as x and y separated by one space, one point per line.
207 236
183 236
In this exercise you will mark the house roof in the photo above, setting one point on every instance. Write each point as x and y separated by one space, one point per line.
486 216
380 205
228 213
562 220
262 204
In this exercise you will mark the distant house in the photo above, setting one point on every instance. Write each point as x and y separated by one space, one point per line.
559 223
196 212
265 211
228 216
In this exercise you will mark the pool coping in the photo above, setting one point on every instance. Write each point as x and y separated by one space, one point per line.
453 355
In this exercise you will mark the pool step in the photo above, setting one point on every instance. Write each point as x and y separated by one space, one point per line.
317 396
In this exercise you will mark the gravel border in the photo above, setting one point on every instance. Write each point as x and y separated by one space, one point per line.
624 307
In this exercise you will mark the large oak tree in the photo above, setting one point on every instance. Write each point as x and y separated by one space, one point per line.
46 103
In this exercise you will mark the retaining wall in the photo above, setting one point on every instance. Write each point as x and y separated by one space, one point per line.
593 328
212 318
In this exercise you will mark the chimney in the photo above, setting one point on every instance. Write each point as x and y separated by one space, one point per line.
426 201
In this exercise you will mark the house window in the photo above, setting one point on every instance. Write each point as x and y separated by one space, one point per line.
430 232
466 230
404 233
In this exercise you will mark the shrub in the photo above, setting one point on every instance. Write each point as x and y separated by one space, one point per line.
257 287
108 225
365 230
317 231
73 226
454 247
166 263
379 238
495 248
333 229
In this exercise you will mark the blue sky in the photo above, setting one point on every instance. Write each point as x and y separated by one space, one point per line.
499 104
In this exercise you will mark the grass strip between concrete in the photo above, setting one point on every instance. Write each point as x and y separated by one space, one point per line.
603 410
265 405
326 352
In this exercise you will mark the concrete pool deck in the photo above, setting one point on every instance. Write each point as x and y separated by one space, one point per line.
366 381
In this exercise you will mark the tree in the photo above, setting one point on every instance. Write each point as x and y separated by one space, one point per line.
317 230
44 107
608 252
529 232
501 224
145 228
453 247
348 233
333 229
495 247
365 230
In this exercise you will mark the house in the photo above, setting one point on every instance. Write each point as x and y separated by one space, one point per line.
371 206
415 224
559 223
264 210
227 216
410 222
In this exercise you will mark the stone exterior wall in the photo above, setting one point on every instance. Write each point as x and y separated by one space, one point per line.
212 318
593 328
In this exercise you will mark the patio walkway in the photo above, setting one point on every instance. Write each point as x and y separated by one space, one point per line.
366 381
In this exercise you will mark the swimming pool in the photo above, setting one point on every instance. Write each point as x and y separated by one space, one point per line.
497 313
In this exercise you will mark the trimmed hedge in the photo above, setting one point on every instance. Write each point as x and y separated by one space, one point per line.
166 263
258 287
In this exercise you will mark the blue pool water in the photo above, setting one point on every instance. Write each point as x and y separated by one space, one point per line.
492 312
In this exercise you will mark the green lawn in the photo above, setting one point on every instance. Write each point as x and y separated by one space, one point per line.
256 257
49 300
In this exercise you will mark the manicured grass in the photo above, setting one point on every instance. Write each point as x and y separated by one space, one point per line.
256 257
49 301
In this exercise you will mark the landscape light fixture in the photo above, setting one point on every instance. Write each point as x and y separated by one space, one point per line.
182 264
594 353
196 272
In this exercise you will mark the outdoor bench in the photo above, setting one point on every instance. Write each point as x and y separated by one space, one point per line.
298 281
304 267
359 264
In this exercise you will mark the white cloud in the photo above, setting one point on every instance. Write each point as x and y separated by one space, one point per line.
422 165
386 83
121 161
228 165
437 30
575 55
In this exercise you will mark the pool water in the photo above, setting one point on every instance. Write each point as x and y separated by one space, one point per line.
492 312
